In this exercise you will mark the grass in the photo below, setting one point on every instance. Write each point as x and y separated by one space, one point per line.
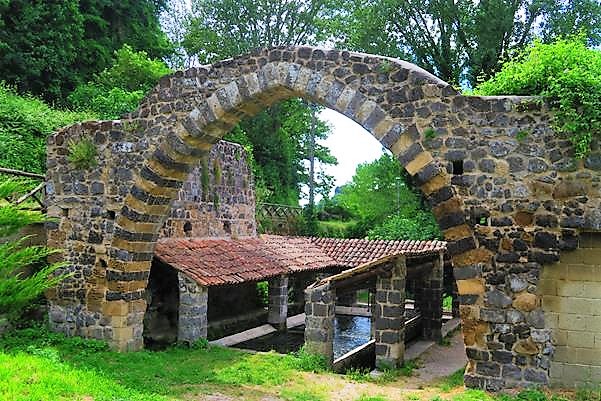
36 365
453 381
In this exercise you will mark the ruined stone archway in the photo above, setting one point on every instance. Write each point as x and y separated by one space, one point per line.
500 186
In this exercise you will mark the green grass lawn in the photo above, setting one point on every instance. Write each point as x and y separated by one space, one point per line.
38 365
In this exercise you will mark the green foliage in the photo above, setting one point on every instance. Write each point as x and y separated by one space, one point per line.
226 28
201 344
521 136
17 289
567 75
278 138
119 89
372 398
384 204
263 292
429 134
462 39
453 381
219 29
49 48
25 122
309 362
82 154
420 226
301 395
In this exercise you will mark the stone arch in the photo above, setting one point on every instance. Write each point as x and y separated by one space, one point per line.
381 94
514 206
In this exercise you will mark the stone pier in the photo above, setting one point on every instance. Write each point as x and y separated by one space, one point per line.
278 302
389 316
320 312
193 302
429 301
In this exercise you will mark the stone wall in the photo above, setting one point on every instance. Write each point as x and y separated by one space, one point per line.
571 299
505 189
217 199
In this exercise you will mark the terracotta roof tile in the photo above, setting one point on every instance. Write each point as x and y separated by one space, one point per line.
211 261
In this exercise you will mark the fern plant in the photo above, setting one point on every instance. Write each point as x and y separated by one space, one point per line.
17 290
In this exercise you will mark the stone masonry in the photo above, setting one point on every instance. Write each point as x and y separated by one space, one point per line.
320 312
277 309
428 299
389 316
193 302
571 299
505 189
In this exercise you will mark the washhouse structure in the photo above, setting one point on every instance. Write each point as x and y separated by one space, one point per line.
519 212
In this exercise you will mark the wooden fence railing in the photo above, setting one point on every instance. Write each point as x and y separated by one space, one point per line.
37 194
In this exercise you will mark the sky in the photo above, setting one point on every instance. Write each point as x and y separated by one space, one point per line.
350 144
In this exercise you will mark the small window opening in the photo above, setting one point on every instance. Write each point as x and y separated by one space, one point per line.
457 167
111 214
187 227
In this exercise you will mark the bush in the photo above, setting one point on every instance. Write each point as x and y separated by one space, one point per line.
16 290
421 226
82 154
25 122
567 75
119 89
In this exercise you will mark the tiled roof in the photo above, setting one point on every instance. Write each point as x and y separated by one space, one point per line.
355 252
212 261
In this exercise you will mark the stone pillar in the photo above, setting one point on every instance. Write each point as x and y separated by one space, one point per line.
193 303
390 316
277 310
320 312
429 301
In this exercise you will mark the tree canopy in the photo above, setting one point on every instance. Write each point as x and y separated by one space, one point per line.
462 40
219 29
48 48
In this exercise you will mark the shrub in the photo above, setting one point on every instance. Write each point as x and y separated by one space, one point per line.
25 122
82 154
421 226
119 89
567 75
16 289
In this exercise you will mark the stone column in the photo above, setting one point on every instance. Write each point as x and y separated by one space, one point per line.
277 310
430 301
320 312
389 316
193 307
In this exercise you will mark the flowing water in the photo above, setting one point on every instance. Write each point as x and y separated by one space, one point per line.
349 333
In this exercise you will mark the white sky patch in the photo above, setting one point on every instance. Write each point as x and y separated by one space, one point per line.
350 143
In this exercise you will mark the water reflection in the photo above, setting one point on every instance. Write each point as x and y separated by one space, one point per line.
349 333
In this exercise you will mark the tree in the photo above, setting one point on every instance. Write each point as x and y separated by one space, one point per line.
120 88
462 39
225 28
383 201
279 139
16 289
48 48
